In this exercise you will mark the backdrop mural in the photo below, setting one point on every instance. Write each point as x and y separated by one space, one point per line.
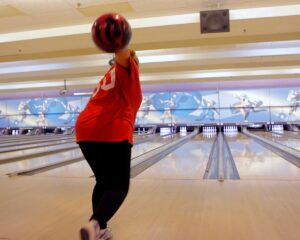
195 107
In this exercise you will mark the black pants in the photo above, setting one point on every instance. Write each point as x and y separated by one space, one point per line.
110 162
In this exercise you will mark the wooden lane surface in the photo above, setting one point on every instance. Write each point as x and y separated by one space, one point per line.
54 208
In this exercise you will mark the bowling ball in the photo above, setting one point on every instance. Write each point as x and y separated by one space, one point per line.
111 32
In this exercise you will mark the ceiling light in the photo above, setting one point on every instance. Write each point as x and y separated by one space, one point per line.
83 94
236 14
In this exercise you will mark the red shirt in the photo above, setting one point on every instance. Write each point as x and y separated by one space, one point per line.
110 114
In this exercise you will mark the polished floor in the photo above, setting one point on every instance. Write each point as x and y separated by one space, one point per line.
169 200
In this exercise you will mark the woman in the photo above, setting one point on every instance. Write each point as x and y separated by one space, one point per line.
104 132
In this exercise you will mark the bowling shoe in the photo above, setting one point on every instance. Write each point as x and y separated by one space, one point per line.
105 234
90 231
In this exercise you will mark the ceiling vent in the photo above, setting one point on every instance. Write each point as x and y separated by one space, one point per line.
214 21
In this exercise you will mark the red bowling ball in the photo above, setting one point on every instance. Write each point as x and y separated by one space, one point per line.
111 32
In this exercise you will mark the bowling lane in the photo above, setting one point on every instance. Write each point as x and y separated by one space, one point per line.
39 161
24 137
45 142
34 150
20 139
292 134
11 148
282 139
187 162
158 141
82 169
253 161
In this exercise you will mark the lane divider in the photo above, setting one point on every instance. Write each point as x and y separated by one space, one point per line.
221 164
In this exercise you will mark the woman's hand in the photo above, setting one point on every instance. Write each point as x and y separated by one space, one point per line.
122 57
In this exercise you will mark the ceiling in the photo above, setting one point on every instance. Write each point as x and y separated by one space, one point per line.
43 42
